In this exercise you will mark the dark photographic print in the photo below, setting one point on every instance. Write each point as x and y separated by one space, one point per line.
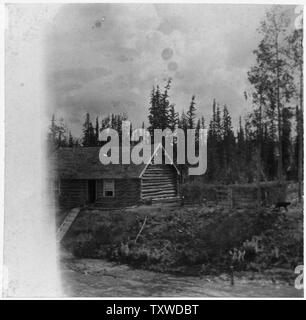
153 150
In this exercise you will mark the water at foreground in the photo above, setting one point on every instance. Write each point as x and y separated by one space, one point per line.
99 278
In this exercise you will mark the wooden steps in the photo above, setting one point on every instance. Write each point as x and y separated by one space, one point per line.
67 223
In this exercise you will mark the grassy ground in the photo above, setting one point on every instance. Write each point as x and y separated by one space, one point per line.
193 240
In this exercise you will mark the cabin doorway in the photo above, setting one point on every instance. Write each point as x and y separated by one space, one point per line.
92 194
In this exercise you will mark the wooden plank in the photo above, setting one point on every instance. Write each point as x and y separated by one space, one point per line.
67 223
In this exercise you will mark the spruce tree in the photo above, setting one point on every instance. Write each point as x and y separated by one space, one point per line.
191 114
97 132
173 118
70 140
89 136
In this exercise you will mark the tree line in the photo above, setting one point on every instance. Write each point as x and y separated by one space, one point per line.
268 142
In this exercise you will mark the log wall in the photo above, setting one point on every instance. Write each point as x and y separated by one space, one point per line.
73 193
127 193
159 182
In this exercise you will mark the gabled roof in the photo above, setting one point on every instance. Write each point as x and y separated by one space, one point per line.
155 151
84 163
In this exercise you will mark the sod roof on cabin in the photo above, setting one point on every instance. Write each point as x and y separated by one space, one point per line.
84 163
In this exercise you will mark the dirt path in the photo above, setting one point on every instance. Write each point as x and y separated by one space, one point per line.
98 278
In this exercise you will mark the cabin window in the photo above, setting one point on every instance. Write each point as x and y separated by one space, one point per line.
108 188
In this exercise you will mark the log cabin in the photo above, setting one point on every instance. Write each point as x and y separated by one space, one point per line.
81 179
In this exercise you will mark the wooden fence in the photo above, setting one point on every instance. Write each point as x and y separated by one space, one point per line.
236 195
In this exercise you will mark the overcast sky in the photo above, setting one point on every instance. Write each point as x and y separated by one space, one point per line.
105 58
